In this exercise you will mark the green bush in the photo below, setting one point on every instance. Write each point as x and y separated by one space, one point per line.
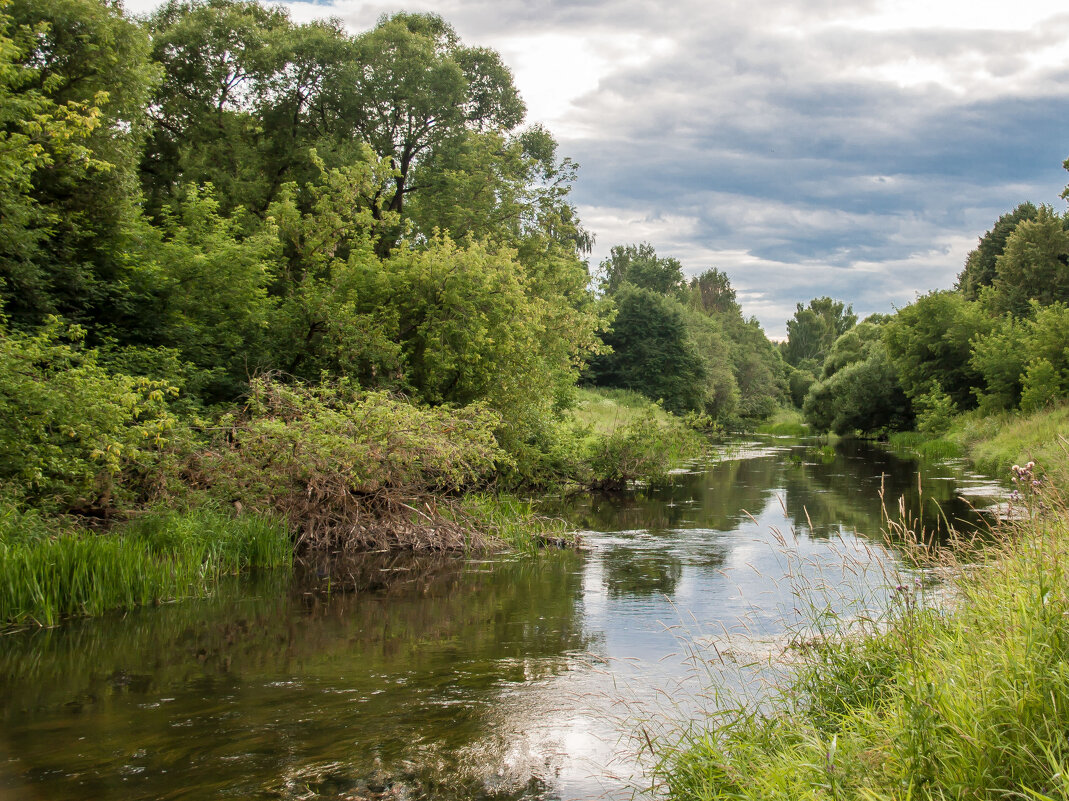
935 412
74 436
644 449
1041 387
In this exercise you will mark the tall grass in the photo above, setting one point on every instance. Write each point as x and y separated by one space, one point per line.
47 573
998 441
966 699
606 410
515 523
785 423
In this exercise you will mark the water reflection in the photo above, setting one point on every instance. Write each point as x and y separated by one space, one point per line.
444 678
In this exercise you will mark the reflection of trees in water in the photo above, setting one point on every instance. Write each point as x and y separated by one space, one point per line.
839 488
620 511
843 492
629 572
716 498
272 681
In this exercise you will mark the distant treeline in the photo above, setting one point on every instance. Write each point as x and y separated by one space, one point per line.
998 341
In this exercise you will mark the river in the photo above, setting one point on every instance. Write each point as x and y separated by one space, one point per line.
509 677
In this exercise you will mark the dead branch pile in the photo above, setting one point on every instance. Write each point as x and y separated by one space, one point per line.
353 470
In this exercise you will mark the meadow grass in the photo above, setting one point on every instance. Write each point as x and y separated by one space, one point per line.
606 410
785 423
961 699
996 442
49 570
925 445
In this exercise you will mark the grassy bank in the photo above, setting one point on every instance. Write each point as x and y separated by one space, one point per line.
785 422
603 411
318 470
49 571
996 442
52 569
966 702
621 437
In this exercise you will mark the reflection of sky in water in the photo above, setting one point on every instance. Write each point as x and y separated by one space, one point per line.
465 681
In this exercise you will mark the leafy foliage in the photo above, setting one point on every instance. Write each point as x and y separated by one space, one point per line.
980 266
814 328
339 463
651 351
72 431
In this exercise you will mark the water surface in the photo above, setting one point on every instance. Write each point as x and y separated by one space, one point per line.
508 677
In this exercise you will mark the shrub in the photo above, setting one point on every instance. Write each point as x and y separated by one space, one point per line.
74 436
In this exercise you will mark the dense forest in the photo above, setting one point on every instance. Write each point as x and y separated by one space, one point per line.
279 268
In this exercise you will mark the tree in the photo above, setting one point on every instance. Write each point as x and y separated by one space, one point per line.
852 346
1033 266
713 292
651 351
76 77
222 61
640 266
863 396
813 329
412 88
979 269
929 344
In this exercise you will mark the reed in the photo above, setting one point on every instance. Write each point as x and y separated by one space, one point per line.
51 572
514 523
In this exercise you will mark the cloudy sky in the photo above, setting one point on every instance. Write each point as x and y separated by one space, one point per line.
853 148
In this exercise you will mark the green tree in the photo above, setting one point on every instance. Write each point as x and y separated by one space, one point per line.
713 293
72 431
1000 357
1033 266
221 60
76 78
640 266
980 264
928 343
852 346
652 352
813 329
720 391
413 88
864 396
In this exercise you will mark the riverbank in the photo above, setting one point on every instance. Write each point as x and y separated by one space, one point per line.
971 702
58 568
300 479
995 442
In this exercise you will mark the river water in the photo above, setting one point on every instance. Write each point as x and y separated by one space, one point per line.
502 678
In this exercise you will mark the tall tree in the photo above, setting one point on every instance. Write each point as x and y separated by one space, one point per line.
714 293
813 330
652 351
412 88
929 344
222 60
81 66
980 264
640 266
1033 266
